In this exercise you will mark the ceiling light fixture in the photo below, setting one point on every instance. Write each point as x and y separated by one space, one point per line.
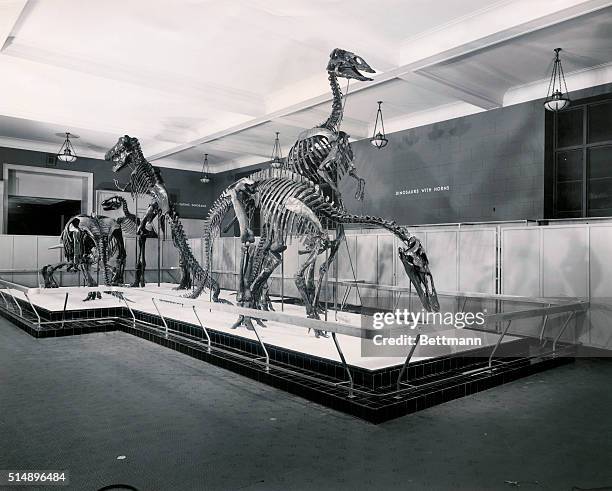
66 152
205 179
556 99
276 159
379 137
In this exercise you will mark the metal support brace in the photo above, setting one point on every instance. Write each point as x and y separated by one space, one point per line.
4 298
326 281
16 303
405 365
499 342
397 300
64 310
282 285
264 348
202 326
162 317
347 292
346 368
131 311
544 321
33 308
554 346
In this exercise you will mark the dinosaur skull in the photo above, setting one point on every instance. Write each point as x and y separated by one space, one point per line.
122 152
242 187
112 203
348 65
416 265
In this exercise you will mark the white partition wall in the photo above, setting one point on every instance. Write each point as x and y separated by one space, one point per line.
600 285
534 261
565 269
6 257
521 265
442 251
386 271
22 256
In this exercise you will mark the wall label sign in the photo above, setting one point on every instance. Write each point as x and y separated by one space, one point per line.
423 190
192 205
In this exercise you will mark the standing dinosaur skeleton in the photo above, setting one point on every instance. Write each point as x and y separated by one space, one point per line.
322 155
296 199
90 239
292 205
146 179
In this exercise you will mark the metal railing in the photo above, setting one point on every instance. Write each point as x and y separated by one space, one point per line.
544 309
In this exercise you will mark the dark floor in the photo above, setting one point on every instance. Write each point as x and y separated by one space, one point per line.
78 403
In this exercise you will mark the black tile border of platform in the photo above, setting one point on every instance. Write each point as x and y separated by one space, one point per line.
364 407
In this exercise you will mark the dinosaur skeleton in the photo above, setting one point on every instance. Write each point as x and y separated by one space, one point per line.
292 205
93 239
296 200
323 156
146 179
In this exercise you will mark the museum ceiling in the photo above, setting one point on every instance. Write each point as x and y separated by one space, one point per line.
189 77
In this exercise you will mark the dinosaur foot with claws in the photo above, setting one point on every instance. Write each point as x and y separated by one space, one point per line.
247 322
93 296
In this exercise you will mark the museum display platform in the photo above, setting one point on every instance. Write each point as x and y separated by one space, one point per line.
333 371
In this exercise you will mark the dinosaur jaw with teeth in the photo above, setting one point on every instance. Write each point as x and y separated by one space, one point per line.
111 204
354 73
417 268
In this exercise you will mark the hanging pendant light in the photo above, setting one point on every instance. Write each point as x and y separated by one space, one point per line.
379 138
205 179
556 98
66 152
276 159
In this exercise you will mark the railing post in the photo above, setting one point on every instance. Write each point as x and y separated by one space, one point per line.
554 346
4 298
130 310
16 302
162 317
498 343
406 363
344 364
264 348
33 308
202 326
64 310
544 321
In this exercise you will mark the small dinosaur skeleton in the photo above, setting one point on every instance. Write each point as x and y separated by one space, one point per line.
91 239
146 179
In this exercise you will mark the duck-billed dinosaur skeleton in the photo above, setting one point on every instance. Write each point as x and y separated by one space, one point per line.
292 205
307 189
94 239
146 179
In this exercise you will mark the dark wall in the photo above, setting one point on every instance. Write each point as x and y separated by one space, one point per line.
494 165
191 196
488 166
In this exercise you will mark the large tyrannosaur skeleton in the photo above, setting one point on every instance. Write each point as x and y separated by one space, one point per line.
146 179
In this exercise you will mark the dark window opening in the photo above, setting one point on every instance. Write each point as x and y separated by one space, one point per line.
582 160
29 215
